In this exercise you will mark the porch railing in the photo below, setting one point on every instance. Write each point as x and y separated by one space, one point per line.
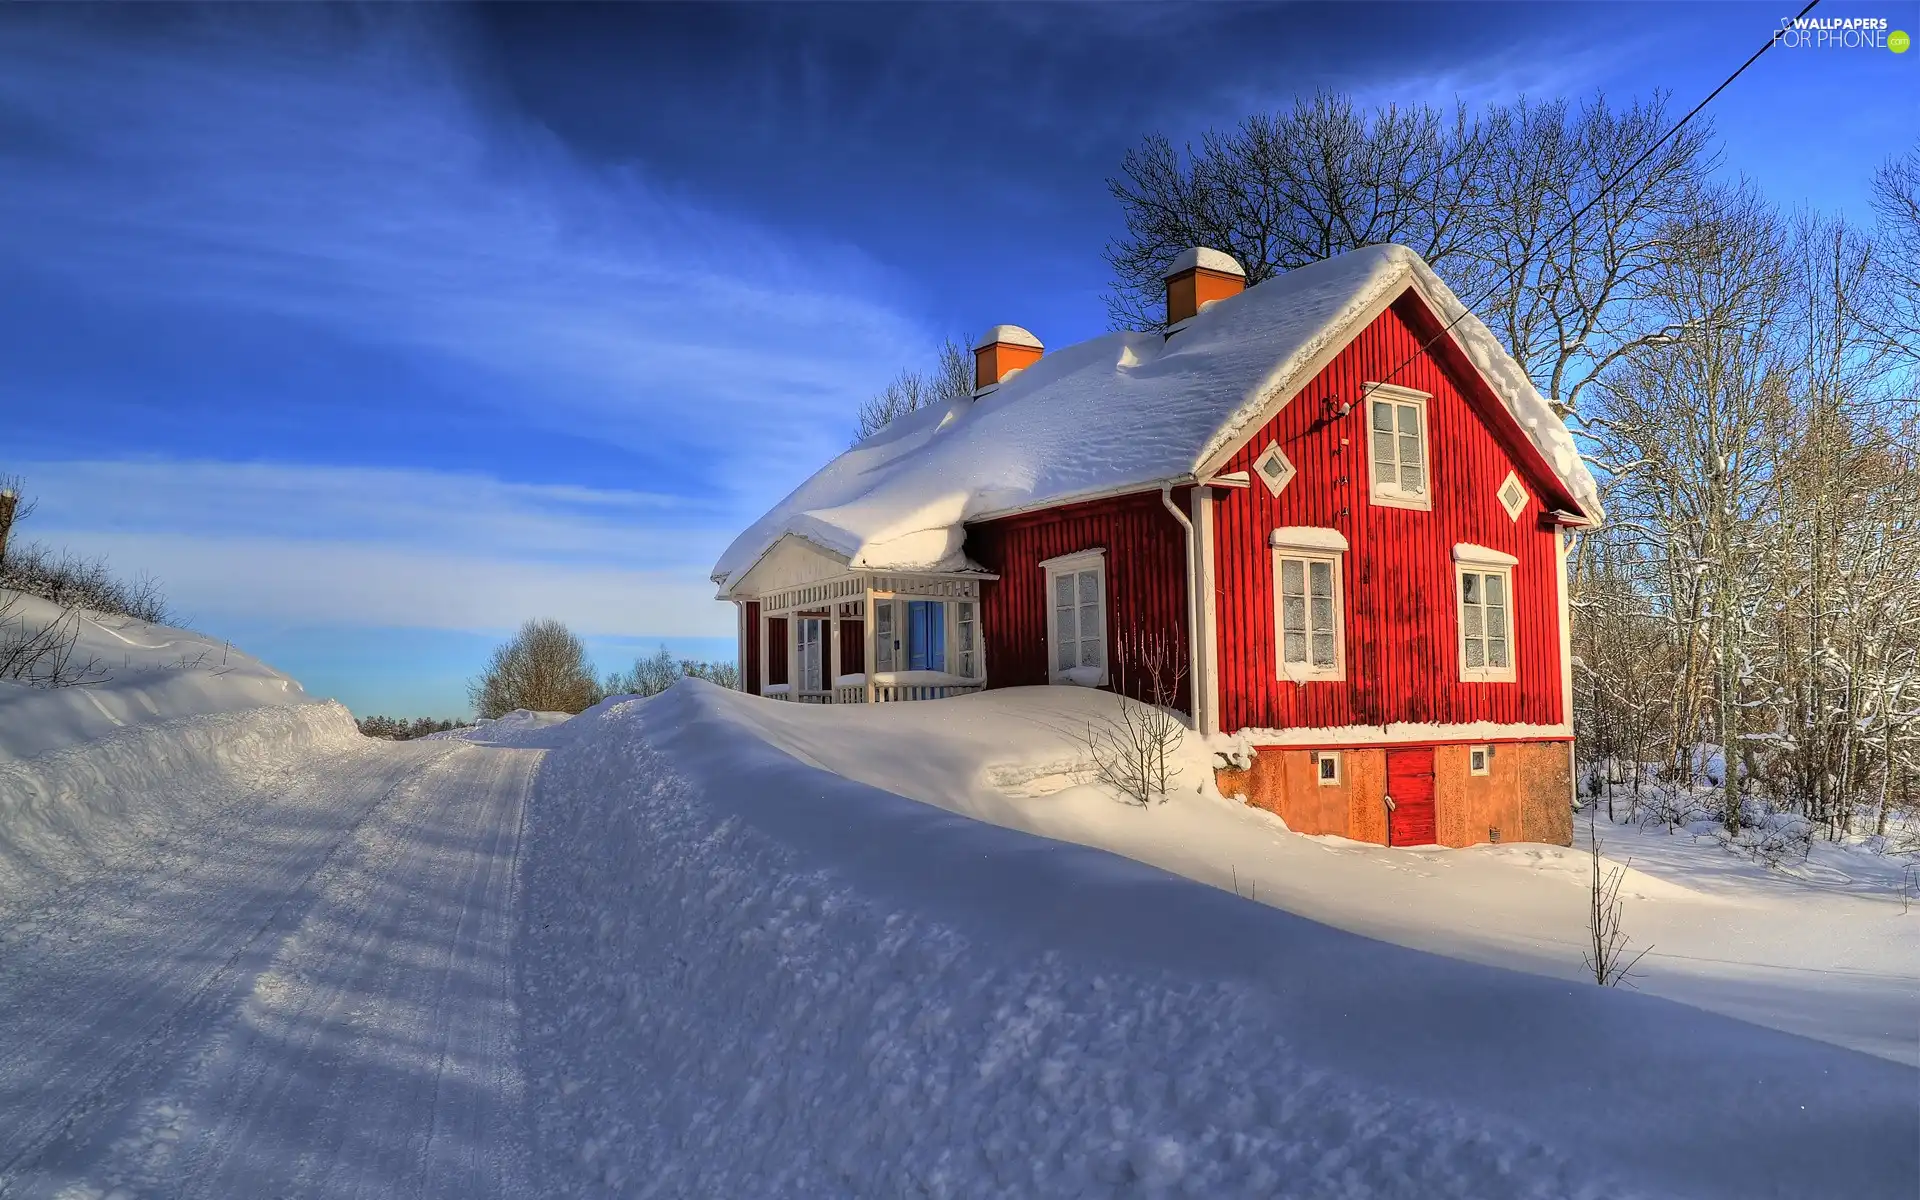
883 693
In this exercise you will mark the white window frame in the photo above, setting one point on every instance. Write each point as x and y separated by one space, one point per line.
1320 775
965 660
1079 561
1273 453
823 680
1309 546
1486 760
895 605
1479 560
1388 492
1513 510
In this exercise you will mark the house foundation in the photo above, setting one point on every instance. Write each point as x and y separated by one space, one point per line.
1521 792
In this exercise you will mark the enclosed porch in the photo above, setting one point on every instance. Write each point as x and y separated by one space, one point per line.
868 638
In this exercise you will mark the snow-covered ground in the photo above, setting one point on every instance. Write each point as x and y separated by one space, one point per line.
145 673
711 945
746 972
1826 949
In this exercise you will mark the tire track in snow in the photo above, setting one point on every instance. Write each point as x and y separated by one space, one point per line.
148 961
376 1053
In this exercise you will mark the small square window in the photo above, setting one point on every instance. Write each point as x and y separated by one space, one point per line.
1479 760
1327 767
1513 496
1273 468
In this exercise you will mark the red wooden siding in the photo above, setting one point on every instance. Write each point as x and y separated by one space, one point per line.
1398 575
853 647
776 650
1146 580
750 653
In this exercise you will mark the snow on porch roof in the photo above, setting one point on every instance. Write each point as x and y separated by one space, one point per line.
1126 410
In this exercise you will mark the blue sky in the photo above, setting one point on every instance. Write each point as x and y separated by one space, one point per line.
375 331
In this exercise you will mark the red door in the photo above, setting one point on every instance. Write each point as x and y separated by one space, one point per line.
1410 783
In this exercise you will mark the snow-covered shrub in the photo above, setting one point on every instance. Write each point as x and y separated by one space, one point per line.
1236 754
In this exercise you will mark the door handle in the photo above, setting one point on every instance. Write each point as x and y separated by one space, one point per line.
1390 804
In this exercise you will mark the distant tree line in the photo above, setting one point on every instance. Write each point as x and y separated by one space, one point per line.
545 668
399 729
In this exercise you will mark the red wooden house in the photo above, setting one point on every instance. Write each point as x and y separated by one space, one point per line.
1334 492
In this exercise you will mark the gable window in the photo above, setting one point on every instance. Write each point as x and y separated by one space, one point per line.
1485 592
1273 468
1513 496
1397 461
1308 621
1077 617
1326 767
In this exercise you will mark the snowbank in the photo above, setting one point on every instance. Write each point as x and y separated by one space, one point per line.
747 975
152 673
1837 961
521 727
66 813
1118 411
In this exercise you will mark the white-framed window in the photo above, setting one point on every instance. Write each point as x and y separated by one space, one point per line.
1485 594
1273 468
911 634
1077 617
966 639
1512 496
885 636
1326 768
812 648
1308 602
1398 466
1479 760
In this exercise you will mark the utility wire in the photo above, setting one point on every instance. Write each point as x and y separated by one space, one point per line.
1597 197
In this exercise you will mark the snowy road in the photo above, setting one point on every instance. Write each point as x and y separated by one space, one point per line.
313 995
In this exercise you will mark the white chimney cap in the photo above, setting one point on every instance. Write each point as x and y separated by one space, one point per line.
1201 256
1012 335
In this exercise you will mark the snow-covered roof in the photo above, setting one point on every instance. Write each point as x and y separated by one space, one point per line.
1121 412
1208 259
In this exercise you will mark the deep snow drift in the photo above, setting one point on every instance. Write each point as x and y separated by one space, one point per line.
180 725
744 974
151 673
1827 950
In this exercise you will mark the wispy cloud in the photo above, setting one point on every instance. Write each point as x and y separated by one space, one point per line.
349 172
389 548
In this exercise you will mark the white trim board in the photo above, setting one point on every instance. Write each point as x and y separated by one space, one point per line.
1398 733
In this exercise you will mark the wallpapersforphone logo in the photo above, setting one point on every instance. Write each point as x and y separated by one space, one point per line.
1840 33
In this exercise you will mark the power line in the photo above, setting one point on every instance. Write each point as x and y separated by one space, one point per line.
1597 197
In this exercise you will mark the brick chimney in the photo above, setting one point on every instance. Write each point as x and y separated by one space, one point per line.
1000 352
1198 278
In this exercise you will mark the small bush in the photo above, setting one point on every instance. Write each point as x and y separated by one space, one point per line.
70 581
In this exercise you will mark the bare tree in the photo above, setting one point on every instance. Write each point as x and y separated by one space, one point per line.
1283 190
1606 954
911 391
656 672
1132 747
544 668
1896 197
